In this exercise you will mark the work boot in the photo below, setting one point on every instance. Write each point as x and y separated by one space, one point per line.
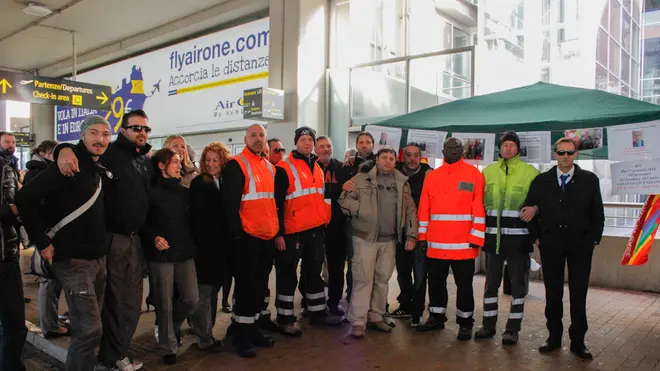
484 333
464 334
431 324
325 320
357 332
267 324
263 340
246 351
379 326
336 310
290 329
510 338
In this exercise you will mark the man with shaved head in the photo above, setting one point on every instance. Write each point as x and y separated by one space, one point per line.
248 185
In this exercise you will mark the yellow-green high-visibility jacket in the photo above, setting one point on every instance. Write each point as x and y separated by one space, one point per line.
507 184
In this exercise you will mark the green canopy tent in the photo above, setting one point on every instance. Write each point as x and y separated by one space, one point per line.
536 107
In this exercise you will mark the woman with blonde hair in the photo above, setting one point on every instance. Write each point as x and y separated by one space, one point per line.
188 169
208 220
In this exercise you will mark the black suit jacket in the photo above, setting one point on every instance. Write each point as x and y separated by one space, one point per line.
574 218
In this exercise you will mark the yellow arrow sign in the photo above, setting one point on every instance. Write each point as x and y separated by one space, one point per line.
103 98
4 84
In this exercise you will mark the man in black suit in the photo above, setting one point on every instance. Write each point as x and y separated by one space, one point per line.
569 225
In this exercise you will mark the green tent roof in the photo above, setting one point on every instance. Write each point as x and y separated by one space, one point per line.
537 107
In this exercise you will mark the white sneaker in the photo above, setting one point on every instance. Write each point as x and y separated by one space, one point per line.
126 365
156 333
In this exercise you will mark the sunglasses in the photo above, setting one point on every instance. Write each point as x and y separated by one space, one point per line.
139 128
280 150
564 153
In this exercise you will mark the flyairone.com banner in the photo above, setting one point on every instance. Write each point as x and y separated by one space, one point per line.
193 86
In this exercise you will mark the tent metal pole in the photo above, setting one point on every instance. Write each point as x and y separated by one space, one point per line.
472 70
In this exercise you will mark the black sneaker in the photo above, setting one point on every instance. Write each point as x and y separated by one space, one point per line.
400 313
263 340
170 359
431 324
416 321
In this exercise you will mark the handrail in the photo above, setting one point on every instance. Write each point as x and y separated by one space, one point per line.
623 205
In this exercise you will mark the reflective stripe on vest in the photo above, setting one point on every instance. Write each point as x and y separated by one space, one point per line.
508 231
299 192
505 213
448 246
252 184
451 217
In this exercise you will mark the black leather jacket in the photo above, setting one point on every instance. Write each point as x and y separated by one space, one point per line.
8 221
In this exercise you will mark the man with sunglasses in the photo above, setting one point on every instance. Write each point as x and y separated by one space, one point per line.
126 213
570 206
276 151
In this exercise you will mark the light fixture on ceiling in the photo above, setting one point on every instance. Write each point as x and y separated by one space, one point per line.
37 10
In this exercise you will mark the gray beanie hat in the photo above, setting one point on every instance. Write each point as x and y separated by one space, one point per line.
91 120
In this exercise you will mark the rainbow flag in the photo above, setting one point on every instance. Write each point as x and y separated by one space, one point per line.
639 245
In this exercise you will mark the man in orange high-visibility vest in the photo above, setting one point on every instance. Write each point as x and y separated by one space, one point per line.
303 215
248 196
452 221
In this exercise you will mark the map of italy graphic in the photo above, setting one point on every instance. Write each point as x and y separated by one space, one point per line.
131 92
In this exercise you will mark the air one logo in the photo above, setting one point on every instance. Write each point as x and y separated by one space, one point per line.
229 108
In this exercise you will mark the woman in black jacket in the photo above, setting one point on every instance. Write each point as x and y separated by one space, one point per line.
50 289
169 250
210 261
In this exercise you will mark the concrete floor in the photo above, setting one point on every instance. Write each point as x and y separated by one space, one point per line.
624 335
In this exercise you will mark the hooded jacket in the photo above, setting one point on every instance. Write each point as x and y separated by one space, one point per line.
34 167
362 205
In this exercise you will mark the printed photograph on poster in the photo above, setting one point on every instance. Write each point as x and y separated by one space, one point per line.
535 147
384 136
586 138
636 177
634 141
431 142
478 148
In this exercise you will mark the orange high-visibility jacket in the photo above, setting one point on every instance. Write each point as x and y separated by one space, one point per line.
258 211
304 205
451 212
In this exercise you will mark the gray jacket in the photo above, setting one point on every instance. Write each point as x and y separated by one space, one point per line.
362 206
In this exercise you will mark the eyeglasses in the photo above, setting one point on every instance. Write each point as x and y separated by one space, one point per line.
139 128
279 150
564 153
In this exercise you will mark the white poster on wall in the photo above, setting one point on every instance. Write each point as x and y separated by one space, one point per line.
636 177
634 141
431 142
535 147
478 148
193 86
385 136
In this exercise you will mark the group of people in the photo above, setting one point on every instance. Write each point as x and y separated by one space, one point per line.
100 212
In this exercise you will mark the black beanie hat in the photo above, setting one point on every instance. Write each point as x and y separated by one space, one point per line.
510 135
304 130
